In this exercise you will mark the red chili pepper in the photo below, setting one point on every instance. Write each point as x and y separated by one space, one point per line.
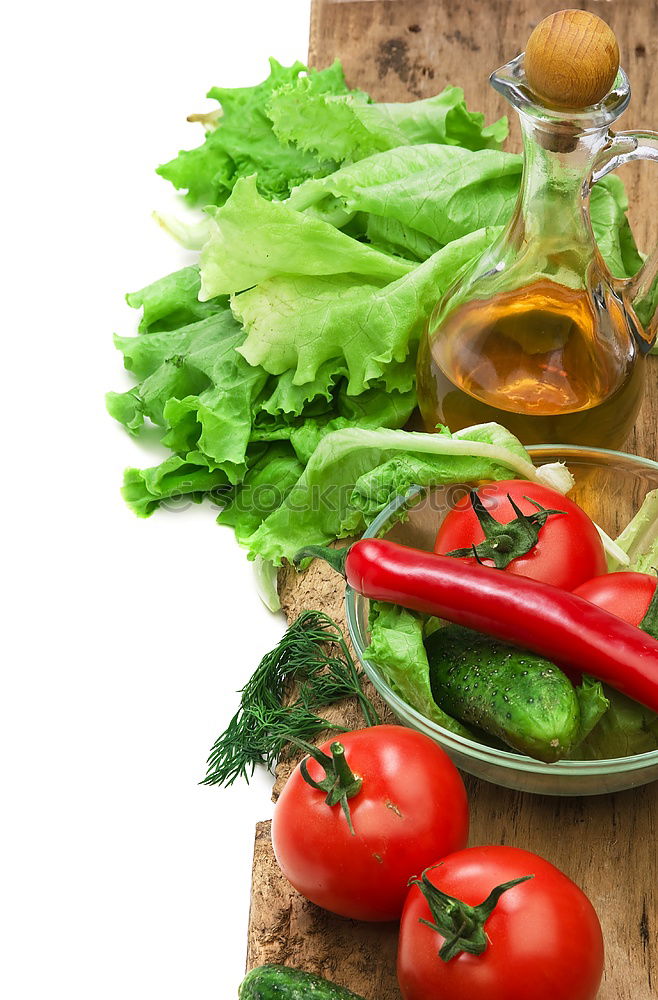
547 620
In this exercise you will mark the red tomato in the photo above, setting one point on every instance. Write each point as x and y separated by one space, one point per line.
627 595
411 809
568 550
543 938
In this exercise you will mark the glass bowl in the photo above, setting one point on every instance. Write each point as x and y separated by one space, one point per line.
610 486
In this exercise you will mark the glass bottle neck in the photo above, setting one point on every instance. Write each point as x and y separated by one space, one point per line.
554 187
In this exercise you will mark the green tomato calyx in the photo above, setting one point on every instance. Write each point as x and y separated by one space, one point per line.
461 925
339 782
505 542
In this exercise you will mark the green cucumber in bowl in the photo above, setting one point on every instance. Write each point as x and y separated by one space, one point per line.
278 982
521 698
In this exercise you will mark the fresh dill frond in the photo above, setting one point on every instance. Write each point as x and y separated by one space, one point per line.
312 655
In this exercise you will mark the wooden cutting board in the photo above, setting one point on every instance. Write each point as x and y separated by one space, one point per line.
400 50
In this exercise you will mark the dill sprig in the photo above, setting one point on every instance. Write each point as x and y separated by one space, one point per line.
314 656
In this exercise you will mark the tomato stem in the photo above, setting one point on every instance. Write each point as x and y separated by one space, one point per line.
505 542
339 782
461 925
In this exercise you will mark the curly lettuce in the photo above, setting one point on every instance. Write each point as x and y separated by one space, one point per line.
240 139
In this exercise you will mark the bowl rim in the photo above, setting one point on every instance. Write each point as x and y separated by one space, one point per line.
470 748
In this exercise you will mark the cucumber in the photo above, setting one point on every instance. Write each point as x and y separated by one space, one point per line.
278 982
521 698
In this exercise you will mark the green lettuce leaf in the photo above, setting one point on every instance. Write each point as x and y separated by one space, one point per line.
214 407
127 408
639 539
265 487
373 409
197 387
240 140
443 118
174 482
343 485
378 407
377 487
391 236
323 124
172 302
625 729
253 239
608 208
593 705
364 326
272 475
348 127
282 401
397 648
443 192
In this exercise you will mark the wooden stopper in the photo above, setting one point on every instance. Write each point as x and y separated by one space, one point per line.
571 59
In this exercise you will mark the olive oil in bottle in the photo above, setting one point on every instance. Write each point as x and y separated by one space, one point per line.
543 361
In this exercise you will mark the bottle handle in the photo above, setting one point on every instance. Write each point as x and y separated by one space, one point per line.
642 288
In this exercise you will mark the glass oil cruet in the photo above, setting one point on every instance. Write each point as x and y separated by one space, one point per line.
536 333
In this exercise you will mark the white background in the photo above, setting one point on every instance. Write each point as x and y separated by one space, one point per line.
127 639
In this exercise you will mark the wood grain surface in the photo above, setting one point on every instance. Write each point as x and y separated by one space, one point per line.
400 50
